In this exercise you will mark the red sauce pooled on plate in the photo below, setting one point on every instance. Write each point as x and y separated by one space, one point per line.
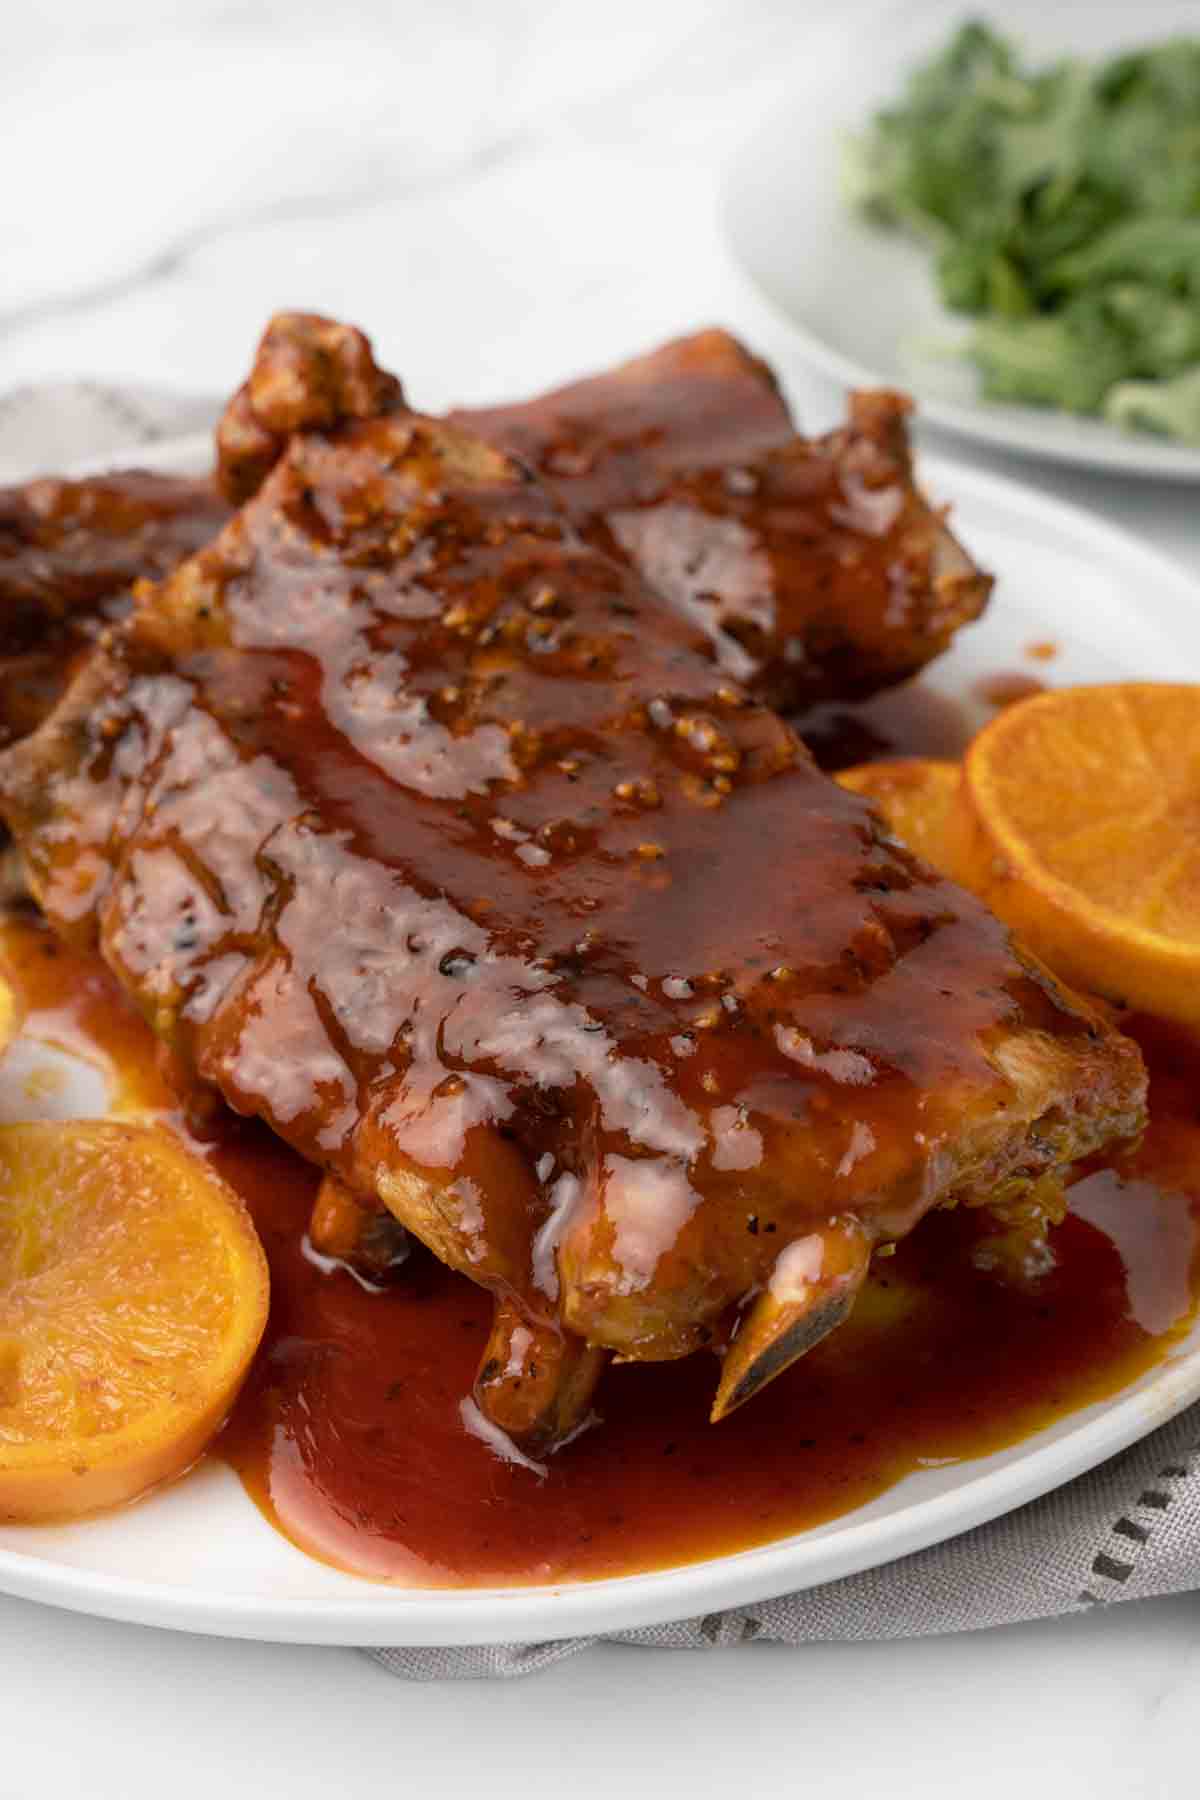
350 1434
912 720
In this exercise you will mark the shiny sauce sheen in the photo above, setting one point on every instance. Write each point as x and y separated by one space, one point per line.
350 1434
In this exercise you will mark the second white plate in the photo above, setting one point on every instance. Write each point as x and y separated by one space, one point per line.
860 301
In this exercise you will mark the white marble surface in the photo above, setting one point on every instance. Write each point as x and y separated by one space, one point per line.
504 195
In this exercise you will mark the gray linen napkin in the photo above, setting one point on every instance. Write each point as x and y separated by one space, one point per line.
44 430
1129 1530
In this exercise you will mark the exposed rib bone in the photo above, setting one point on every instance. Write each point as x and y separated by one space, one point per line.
535 1383
811 1290
373 1242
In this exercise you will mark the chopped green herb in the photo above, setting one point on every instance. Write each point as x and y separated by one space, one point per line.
1062 208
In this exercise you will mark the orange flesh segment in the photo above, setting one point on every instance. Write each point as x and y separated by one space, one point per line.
1078 821
133 1294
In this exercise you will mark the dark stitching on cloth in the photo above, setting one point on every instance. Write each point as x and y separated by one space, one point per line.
1115 1568
718 1628
1131 1529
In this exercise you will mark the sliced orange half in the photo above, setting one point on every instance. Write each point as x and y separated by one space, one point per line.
133 1294
1078 821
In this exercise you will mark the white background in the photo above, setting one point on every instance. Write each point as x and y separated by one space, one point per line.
504 195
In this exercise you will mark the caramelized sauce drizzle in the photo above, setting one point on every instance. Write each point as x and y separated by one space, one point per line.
350 1434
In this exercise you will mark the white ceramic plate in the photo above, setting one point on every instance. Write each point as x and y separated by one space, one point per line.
861 300
199 1556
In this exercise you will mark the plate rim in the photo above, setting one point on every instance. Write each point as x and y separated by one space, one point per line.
1009 427
379 1614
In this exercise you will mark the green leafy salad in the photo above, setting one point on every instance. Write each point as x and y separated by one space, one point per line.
1062 205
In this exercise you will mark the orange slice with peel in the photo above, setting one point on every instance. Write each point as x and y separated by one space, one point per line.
133 1294
1078 821
914 795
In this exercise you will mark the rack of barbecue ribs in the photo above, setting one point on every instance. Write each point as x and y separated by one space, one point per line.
814 566
427 831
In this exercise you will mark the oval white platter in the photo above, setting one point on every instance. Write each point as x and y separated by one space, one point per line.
198 1556
860 301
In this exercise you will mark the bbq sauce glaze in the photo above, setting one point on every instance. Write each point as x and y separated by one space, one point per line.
350 1433
70 554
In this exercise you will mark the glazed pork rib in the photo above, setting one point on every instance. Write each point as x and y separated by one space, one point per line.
70 554
425 831
814 567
